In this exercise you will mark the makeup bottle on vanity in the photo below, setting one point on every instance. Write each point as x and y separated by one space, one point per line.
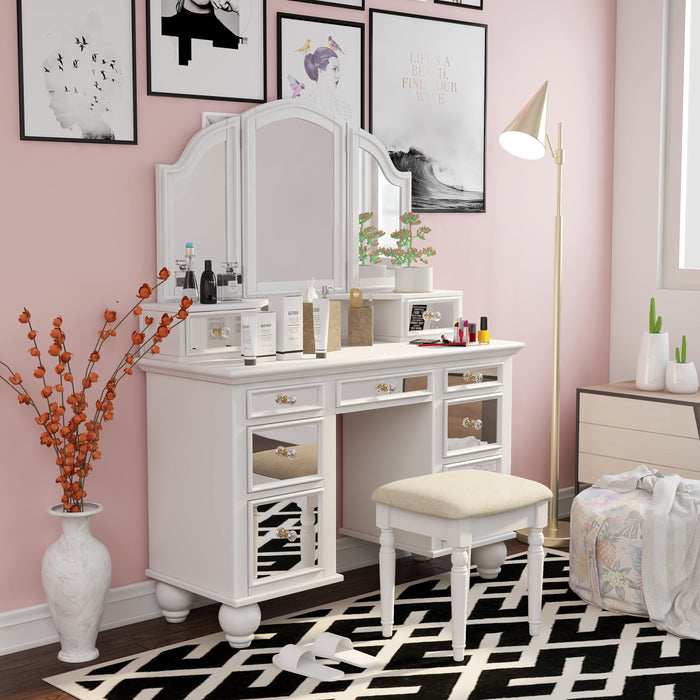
189 288
484 335
207 285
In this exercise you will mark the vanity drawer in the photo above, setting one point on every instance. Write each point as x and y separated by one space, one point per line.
383 388
472 425
281 401
284 453
474 378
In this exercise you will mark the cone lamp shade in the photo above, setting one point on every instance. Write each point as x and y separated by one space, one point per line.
525 137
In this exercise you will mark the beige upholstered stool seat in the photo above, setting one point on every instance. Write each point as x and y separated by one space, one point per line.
462 493
460 507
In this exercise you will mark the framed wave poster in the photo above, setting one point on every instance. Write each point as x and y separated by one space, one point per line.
428 106
76 71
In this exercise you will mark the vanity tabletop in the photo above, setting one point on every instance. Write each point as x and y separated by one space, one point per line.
381 356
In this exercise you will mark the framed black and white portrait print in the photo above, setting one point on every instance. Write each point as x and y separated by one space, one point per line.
472 4
428 106
321 62
76 71
213 49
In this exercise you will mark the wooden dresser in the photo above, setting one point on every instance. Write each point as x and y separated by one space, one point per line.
620 427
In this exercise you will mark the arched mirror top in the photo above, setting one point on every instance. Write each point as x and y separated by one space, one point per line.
272 197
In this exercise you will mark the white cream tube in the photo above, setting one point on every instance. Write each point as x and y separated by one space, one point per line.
249 337
321 309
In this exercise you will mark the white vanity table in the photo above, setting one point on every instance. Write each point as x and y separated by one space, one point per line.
243 462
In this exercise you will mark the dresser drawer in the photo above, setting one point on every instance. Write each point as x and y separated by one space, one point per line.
281 401
642 414
473 378
384 388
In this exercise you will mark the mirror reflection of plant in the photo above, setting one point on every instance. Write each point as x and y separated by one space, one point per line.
369 240
406 252
75 438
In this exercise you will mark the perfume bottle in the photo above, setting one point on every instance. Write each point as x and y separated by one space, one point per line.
207 285
189 288
229 282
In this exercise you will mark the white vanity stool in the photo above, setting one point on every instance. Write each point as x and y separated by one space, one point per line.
461 507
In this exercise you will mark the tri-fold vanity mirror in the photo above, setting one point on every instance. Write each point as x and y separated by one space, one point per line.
274 194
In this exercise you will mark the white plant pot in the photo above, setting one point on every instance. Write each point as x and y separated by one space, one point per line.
76 572
414 279
652 361
681 378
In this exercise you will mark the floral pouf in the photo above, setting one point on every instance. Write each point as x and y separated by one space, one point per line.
606 549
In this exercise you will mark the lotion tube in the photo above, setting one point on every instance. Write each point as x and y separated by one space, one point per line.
250 325
321 310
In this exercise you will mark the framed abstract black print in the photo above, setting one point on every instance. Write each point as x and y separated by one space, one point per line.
428 106
321 62
76 71
212 49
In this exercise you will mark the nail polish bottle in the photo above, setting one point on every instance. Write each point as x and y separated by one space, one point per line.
472 332
484 335
207 285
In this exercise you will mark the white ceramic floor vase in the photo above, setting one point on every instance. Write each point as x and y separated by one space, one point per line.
652 361
76 572
414 279
681 378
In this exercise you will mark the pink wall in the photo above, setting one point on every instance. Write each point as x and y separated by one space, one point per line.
78 233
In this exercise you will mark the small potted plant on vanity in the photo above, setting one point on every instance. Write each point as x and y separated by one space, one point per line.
369 252
653 354
409 277
681 376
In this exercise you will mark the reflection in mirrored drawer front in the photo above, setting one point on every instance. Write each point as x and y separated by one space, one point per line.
487 378
283 452
384 388
472 424
280 401
488 464
284 535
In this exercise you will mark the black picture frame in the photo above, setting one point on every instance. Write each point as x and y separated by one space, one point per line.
468 4
427 101
221 58
353 4
77 76
300 36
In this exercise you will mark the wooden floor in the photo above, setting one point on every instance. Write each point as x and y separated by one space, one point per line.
21 673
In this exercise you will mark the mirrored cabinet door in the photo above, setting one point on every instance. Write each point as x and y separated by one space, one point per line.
472 424
284 536
281 453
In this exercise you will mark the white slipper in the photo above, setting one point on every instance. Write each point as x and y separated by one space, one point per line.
295 659
333 646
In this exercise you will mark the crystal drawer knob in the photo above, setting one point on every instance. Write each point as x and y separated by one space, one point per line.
473 377
288 452
221 332
289 535
475 423
385 388
431 316
285 400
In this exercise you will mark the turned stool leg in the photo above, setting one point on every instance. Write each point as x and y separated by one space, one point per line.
535 566
387 578
459 587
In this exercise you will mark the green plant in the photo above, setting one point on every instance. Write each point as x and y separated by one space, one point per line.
680 353
369 240
406 252
654 321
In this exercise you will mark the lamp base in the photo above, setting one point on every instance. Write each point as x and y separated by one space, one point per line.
553 536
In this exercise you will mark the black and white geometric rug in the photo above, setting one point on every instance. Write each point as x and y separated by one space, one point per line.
582 652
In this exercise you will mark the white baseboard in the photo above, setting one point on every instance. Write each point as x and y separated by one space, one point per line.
26 628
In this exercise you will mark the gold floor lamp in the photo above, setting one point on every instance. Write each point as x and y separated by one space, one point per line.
526 137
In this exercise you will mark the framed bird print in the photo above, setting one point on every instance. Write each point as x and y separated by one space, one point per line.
428 106
76 71
209 49
321 62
